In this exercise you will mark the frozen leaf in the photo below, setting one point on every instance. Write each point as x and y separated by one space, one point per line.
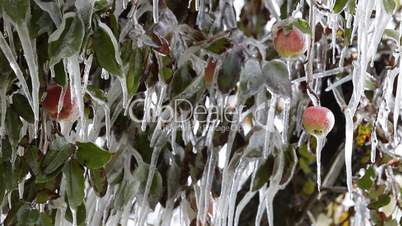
67 39
60 74
32 158
81 215
22 108
155 193
98 181
276 77
97 93
16 10
303 26
340 5
13 125
251 79
264 172
59 151
389 6
92 156
182 79
219 46
381 201
230 71
106 49
75 183
367 180
136 70
392 34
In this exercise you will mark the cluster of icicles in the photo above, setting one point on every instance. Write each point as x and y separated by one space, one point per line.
100 211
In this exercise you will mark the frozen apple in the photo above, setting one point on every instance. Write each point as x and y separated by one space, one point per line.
318 121
51 103
289 41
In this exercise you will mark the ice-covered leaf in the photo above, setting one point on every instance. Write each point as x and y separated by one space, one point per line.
75 183
182 78
264 172
67 39
59 151
81 215
16 10
251 79
98 181
340 5
22 108
389 6
302 25
13 126
229 73
219 46
381 201
135 70
366 181
106 49
32 158
97 93
60 74
155 193
92 156
392 34
276 76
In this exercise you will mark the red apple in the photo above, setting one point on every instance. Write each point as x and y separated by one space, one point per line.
50 103
289 41
318 121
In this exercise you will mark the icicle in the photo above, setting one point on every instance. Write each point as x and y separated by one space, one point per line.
21 189
88 64
286 122
3 104
269 126
155 10
349 148
31 59
74 213
320 145
398 98
73 69
105 74
151 172
242 204
374 143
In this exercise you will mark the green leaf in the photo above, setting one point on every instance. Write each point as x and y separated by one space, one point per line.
106 49
367 180
81 215
67 39
13 126
155 193
309 187
96 93
392 34
277 78
92 156
219 46
303 26
75 183
59 151
60 74
339 6
98 181
263 174
382 200
16 10
389 6
135 71
32 158
181 79
352 7
230 72
22 108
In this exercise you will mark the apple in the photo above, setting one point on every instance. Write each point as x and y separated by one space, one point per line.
289 41
318 121
51 102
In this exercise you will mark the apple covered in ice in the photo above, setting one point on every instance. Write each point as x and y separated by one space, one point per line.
318 121
289 41
68 109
